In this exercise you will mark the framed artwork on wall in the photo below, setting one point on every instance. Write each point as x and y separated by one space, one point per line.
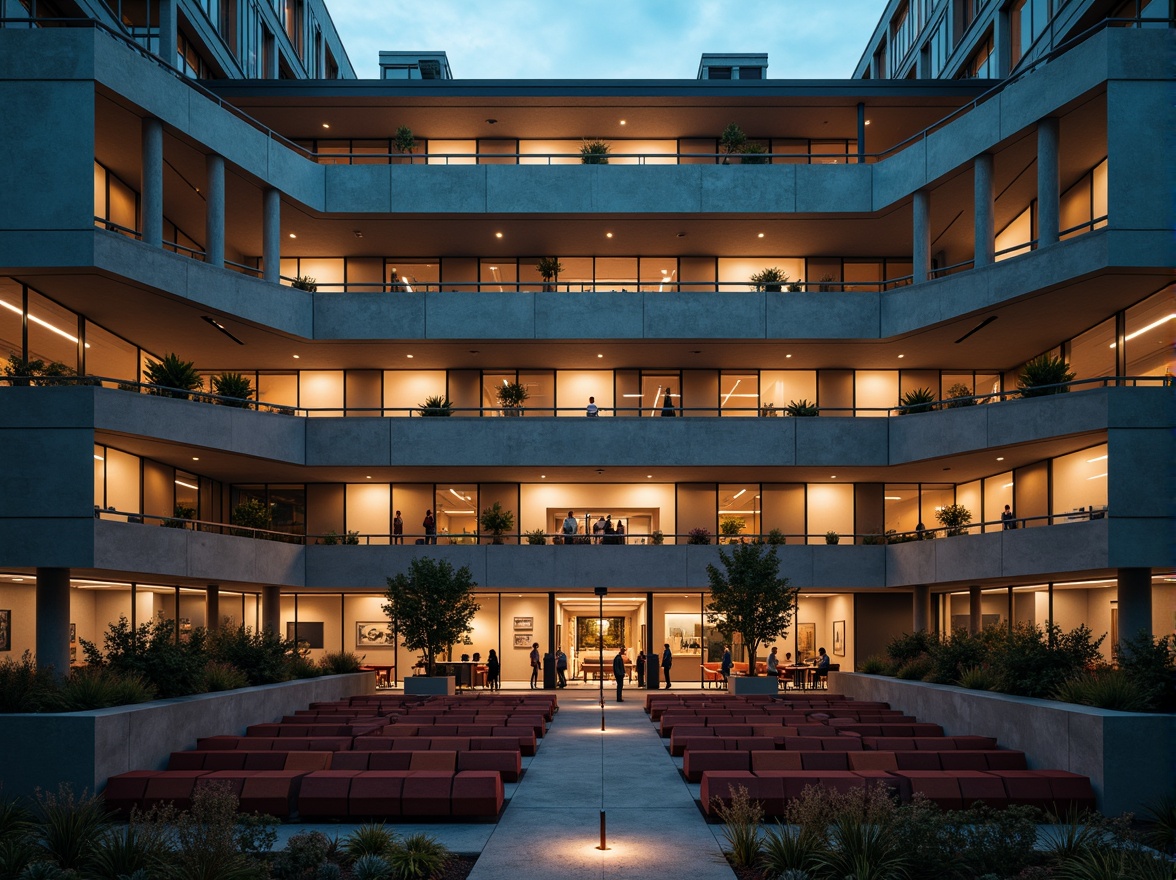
524 623
523 640
839 638
806 641
373 634
73 632
5 630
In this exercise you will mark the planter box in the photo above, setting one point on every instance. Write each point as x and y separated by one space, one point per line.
754 684
429 685
85 749
1130 757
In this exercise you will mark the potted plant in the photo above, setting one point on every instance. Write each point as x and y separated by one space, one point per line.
404 142
431 606
732 141
436 406
235 389
730 527
549 269
832 538
181 514
920 400
250 514
768 410
959 395
954 518
657 538
699 536
536 536
171 377
35 372
1044 375
511 397
497 521
594 152
801 408
749 597
754 154
305 282
771 280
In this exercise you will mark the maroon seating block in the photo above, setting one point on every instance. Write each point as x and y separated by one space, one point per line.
899 786
720 785
171 786
265 760
915 760
271 791
775 760
509 765
373 743
983 787
427 793
352 761
862 761
938 786
325 794
376 793
824 760
697 762
796 782
125 791
841 743
233 779
195 760
963 759
391 760
1005 759
477 793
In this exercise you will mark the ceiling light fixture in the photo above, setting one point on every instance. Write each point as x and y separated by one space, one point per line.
1152 326
1000 458
608 235
297 357
195 458
901 356
409 356
221 327
292 235
326 125
498 235
787 356
600 355
1093 460
760 235
186 485
622 122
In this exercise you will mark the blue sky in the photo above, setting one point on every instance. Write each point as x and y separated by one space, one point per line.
609 39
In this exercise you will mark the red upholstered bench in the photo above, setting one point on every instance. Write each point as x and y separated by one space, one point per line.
977 759
426 793
796 781
697 762
376 793
508 764
916 760
477 793
525 738
776 760
721 785
325 794
885 761
824 760
271 791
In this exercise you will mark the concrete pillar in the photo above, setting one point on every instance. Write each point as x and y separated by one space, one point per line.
168 32
1048 184
271 235
151 182
271 609
214 210
861 133
652 650
52 645
212 607
921 619
984 201
921 236
1135 602
975 617
549 676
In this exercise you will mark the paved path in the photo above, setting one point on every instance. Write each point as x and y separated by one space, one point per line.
552 826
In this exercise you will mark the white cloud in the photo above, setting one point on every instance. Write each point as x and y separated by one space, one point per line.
609 39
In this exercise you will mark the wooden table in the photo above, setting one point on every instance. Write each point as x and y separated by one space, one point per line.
802 676
593 666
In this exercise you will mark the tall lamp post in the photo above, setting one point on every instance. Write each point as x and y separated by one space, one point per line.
601 592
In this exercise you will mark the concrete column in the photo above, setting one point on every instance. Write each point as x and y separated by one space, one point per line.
214 210
921 620
168 32
151 182
921 236
52 645
271 235
984 201
1048 183
1135 602
861 133
652 649
271 609
212 607
975 618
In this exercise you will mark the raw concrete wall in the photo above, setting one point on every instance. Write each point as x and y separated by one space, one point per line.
1130 757
84 749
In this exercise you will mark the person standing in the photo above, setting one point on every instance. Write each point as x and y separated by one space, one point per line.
430 525
774 663
725 667
569 528
398 529
592 410
640 669
598 531
668 404
821 673
561 667
534 666
1006 519
610 530
493 671
619 672
619 538
667 660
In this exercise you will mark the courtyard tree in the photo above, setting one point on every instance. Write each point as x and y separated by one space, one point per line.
749 597
432 607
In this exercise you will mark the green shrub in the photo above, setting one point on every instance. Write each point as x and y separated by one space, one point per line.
1043 375
1105 689
371 867
305 282
699 536
956 653
123 850
301 666
876 665
151 651
301 858
206 840
908 646
594 152
436 406
264 657
771 279
788 848
24 687
1151 663
1159 829
1115 862
234 387
250 514
536 536
862 850
180 514
171 377
418 857
959 395
339 663
977 678
1027 666
832 538
915 670
741 820
776 538
954 518
373 838
920 400
801 408
69 826
220 676
17 852
95 687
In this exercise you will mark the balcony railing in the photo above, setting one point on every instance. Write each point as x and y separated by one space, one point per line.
695 537
761 410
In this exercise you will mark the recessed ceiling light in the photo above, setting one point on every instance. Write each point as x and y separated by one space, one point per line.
622 122
297 357
543 476
292 235
832 476
901 356
600 355
760 235
787 356
18 580
195 458
608 235
1000 458
368 477
409 356
498 235
326 125
649 476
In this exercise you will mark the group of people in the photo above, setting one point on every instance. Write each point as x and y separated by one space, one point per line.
820 665
429 524
667 407
604 530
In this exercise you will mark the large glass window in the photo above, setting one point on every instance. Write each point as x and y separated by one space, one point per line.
616 273
452 152
1019 232
875 392
368 511
108 355
540 385
1092 353
778 388
52 332
739 512
456 512
11 318
932 499
574 387
659 274
498 276
321 392
1079 484
735 272
660 392
288 509
1151 335
413 276
405 390
739 394
998 492
281 389
830 509
187 489
901 501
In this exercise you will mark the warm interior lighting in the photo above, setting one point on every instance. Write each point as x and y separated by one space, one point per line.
867 122
1093 460
186 485
326 125
98 457
600 355
761 235
543 476
297 357
368 477
1096 477
787 356
409 356
195 458
739 493
498 235
622 122
608 235
42 322
1007 486
1000 458
1152 326
292 235
892 498
650 477
901 356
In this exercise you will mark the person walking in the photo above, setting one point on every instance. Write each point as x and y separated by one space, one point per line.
430 525
668 404
667 660
640 669
493 671
569 528
561 667
725 667
534 666
592 410
398 529
619 672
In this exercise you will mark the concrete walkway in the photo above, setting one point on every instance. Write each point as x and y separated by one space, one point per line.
551 824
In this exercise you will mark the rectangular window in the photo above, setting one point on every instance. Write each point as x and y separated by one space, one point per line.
739 512
11 318
52 332
1014 239
1079 484
739 394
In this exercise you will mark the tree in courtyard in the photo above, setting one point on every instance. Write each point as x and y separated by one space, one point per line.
431 607
749 597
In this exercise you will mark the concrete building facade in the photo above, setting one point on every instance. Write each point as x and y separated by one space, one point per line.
931 234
